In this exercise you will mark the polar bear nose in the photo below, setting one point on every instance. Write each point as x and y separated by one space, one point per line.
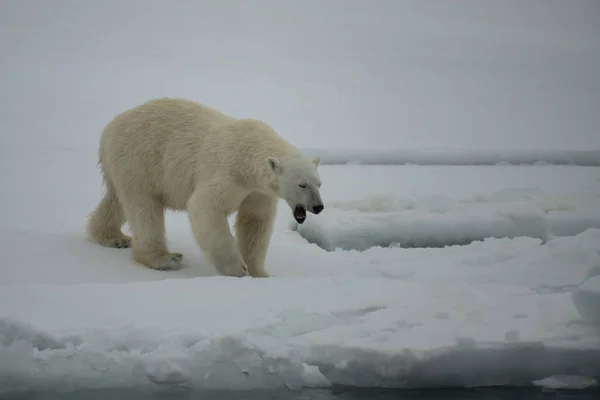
318 209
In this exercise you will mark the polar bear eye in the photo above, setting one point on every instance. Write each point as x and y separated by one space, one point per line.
302 185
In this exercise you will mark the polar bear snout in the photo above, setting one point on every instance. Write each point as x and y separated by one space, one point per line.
299 214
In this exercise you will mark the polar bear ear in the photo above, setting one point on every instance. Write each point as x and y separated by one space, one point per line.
275 165
316 161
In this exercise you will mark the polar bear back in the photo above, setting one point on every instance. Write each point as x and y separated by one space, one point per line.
164 147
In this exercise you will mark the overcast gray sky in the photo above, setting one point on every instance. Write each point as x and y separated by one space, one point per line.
324 73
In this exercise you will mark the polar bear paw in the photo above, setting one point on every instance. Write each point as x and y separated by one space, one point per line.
167 262
235 269
121 242
260 274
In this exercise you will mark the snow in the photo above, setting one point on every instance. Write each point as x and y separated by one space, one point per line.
435 262
587 298
413 221
397 217
501 311
566 382
331 156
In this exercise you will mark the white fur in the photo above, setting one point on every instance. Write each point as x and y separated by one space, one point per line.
182 155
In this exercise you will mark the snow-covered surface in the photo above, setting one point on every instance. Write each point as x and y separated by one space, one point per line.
403 75
587 298
330 156
494 312
566 382
413 219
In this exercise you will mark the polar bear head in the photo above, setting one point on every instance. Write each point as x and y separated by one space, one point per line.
298 183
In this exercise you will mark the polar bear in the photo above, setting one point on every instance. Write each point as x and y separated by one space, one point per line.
172 153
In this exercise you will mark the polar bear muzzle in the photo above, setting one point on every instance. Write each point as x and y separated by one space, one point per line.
299 214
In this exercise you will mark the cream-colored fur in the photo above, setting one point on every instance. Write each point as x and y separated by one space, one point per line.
182 155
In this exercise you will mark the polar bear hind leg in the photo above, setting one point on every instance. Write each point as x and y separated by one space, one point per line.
146 218
105 222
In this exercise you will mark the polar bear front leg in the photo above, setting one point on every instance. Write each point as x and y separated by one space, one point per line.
254 228
211 231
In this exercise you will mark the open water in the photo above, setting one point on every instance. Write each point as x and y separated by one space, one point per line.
319 394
